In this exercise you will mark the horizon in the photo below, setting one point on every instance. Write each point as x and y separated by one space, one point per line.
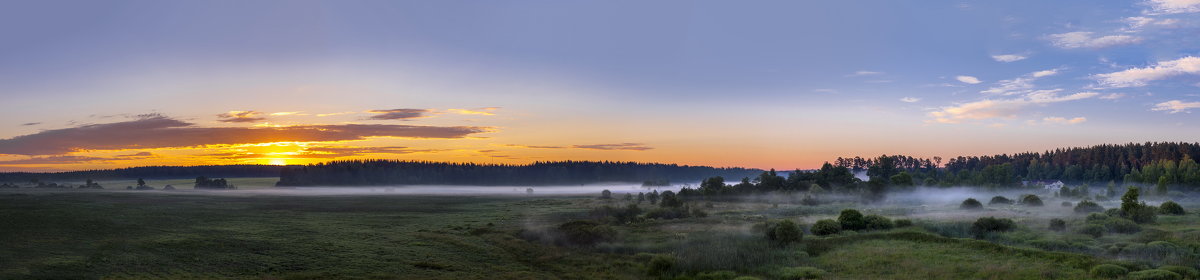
781 86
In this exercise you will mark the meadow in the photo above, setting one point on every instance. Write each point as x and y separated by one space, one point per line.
121 234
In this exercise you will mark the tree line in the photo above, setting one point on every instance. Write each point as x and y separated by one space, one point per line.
401 172
150 172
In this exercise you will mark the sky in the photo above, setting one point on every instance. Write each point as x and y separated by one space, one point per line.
764 84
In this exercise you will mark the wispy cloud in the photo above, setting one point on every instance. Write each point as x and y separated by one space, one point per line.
1008 57
77 159
1176 106
31 124
617 146
1113 96
1001 108
1083 39
288 114
968 79
164 132
861 73
1019 85
399 114
910 99
1136 77
240 117
486 111
1173 6
1063 121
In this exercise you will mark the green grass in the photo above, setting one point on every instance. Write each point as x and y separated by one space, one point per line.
905 259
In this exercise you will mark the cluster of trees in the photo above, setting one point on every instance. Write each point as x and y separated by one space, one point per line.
850 219
396 172
206 183
159 172
820 180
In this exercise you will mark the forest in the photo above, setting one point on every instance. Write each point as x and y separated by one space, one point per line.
396 172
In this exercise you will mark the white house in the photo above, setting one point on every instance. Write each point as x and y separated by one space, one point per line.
1050 186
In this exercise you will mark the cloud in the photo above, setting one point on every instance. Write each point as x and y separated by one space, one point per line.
968 79
240 117
1083 39
163 132
1062 120
1137 77
1019 85
1001 108
1009 57
1173 6
31 124
399 114
288 114
861 73
77 159
1138 23
910 99
322 152
335 114
618 146
487 111
1113 96
1176 106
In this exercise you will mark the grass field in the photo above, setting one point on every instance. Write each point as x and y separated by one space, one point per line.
119 234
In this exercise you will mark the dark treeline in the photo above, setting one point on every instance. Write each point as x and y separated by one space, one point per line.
1155 163
396 172
149 172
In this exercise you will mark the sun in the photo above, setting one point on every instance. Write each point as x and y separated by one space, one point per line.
277 161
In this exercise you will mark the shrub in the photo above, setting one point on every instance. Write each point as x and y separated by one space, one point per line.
802 272
1171 208
784 232
852 220
1000 200
716 275
1154 274
660 265
583 232
1142 214
605 194
877 222
1108 271
903 223
1120 225
1087 206
1031 200
826 227
986 225
1094 230
1058 224
1186 272
971 204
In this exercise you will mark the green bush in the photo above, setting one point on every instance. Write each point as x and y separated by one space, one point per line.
826 227
852 220
1058 224
1031 200
877 222
583 232
1154 274
1142 215
1093 230
716 275
1087 206
1000 200
987 225
903 223
970 204
660 265
784 232
1186 272
1120 225
1171 208
1108 271
802 272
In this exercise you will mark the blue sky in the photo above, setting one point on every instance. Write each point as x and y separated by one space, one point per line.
781 84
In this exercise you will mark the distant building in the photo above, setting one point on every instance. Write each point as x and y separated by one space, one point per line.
1049 185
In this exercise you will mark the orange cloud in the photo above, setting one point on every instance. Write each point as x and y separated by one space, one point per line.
240 116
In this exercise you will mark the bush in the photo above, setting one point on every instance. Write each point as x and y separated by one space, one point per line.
852 220
1031 200
802 272
716 275
1094 230
826 227
1000 200
1154 274
784 232
1120 225
660 265
1142 214
583 232
1058 224
1186 272
1171 208
1087 206
1108 271
877 222
903 223
971 204
986 225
